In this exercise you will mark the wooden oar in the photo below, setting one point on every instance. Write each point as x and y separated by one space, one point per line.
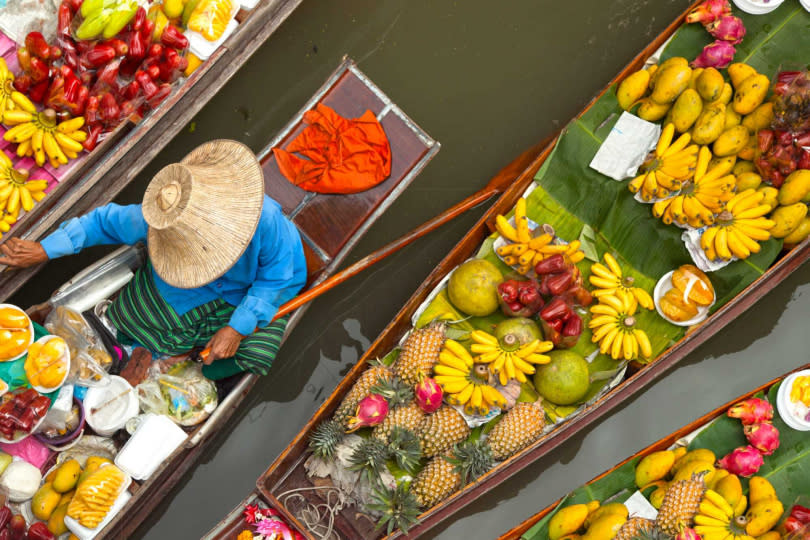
497 185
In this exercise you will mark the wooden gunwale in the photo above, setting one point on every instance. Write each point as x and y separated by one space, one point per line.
272 482
130 147
662 444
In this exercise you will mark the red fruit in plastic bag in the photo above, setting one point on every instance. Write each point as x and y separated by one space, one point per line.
39 531
559 283
118 46
765 139
38 91
36 45
109 110
92 137
17 527
147 84
23 83
162 93
98 56
508 290
39 70
551 265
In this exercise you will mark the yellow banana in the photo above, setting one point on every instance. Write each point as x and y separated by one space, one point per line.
452 361
442 369
717 500
505 228
721 244
459 351
736 245
665 139
26 200
22 101
14 117
71 125
20 133
644 346
67 143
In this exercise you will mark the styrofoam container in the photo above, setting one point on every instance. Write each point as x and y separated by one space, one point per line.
201 47
155 439
787 409
665 284
114 416
83 533
757 7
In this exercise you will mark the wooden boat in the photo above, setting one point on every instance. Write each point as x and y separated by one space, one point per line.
662 444
97 177
330 226
287 472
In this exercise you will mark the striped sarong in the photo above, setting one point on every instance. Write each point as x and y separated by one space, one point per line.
142 315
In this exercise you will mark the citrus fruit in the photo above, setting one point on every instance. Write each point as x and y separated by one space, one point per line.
521 329
473 287
565 379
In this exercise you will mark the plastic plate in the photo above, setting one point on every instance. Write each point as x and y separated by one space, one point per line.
45 389
665 284
30 333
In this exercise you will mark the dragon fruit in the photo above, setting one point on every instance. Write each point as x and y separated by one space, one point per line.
717 54
752 411
743 461
727 28
687 534
709 11
428 395
371 411
764 437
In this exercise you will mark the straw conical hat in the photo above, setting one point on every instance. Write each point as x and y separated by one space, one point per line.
202 212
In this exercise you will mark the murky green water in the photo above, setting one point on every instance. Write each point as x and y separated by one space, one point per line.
488 80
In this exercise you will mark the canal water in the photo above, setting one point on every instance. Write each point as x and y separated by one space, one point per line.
488 80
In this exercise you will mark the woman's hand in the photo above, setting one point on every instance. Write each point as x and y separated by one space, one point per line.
223 345
21 253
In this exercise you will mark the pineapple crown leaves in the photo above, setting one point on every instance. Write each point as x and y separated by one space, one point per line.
325 438
370 457
470 459
398 507
405 448
394 390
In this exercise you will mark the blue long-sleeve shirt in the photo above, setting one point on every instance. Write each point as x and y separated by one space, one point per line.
270 272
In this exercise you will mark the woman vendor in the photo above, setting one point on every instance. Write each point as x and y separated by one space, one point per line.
222 259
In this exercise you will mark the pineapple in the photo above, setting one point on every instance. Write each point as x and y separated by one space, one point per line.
443 475
362 387
406 448
419 353
395 391
520 427
406 416
398 508
637 528
441 430
681 502
325 437
370 457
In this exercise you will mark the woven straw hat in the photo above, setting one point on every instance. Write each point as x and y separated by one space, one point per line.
202 212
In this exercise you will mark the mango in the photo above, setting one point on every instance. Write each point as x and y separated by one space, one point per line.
760 489
799 233
567 520
44 502
732 119
675 61
719 474
730 141
67 476
763 516
741 506
749 151
654 467
632 88
709 124
657 497
710 84
795 188
738 72
698 454
743 166
693 80
771 196
616 508
652 111
750 94
695 467
787 219
56 523
679 452
670 82
730 488
66 497
686 110
726 163
748 180
770 535
759 118
725 95
91 465
604 528
173 8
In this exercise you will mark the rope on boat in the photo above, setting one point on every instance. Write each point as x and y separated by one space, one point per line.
310 515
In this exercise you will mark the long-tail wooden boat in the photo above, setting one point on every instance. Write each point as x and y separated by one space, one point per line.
288 473
663 444
97 177
330 226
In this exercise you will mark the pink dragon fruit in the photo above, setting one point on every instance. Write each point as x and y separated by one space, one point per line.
274 528
727 28
764 437
743 461
717 54
709 11
371 411
752 411
687 534
428 395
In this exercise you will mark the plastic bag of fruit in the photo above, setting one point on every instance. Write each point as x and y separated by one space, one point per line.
20 412
182 393
89 359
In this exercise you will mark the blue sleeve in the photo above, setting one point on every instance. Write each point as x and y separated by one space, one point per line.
108 224
274 279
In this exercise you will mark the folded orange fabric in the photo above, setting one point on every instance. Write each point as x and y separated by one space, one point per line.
342 155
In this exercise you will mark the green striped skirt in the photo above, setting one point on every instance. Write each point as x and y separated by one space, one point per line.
142 315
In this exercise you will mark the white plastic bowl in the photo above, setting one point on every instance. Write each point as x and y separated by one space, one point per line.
30 332
784 405
665 284
114 416
45 389
757 7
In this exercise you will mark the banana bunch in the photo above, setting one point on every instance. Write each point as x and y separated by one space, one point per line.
716 519
6 88
664 172
614 328
700 198
739 228
39 134
511 361
526 250
17 191
609 280
464 382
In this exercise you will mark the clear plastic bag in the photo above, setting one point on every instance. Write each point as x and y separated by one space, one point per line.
89 358
182 393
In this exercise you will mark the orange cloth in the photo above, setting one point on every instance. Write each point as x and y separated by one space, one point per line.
344 156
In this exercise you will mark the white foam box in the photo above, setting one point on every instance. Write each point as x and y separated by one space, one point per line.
154 440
